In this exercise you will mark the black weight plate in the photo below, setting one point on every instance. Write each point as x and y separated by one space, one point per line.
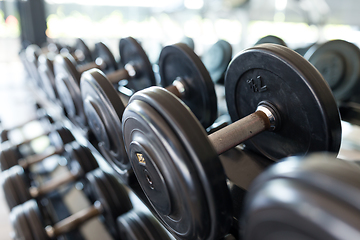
67 81
104 108
217 59
21 184
339 63
112 195
140 226
81 158
271 39
131 52
8 157
34 220
318 183
104 53
32 53
179 61
302 50
176 166
309 116
47 76
83 49
60 137
9 188
22 229
4 135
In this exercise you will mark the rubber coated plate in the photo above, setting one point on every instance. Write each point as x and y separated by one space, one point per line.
34 219
271 39
132 53
9 188
32 53
60 137
339 63
309 116
47 76
112 195
176 166
180 62
140 226
21 183
103 52
217 58
318 184
104 108
302 51
22 229
67 81
81 49
8 157
81 158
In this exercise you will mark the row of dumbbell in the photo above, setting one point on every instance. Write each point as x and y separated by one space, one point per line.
113 204
294 111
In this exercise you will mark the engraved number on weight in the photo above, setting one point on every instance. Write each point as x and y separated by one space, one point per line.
256 84
140 158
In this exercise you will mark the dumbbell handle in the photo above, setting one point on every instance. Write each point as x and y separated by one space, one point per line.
30 139
239 131
88 66
74 220
50 151
53 184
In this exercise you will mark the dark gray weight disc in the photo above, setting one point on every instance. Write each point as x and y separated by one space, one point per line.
67 81
19 222
81 158
8 158
131 52
309 116
104 108
112 195
9 188
32 53
21 183
83 50
179 61
176 165
61 136
104 53
140 226
33 216
321 187
339 63
47 76
217 58
271 39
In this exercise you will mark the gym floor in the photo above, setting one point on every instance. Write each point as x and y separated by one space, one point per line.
15 108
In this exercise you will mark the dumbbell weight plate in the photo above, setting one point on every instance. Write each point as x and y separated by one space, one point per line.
180 61
140 226
271 39
81 46
104 109
32 213
216 59
103 52
60 137
22 229
131 52
318 183
81 158
46 72
8 157
296 89
339 62
115 201
176 166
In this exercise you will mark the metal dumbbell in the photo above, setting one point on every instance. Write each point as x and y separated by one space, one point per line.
140 226
17 184
10 155
280 106
182 73
113 201
304 198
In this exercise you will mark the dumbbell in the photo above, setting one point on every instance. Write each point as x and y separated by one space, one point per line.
80 52
271 39
216 59
17 186
40 115
10 155
67 80
113 201
177 163
304 198
139 225
180 69
339 63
